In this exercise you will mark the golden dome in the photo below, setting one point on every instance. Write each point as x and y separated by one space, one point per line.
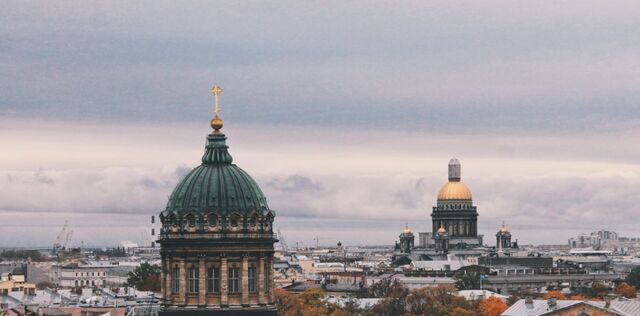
454 190
442 230
406 230
504 229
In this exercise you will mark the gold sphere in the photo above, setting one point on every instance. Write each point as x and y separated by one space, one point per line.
216 123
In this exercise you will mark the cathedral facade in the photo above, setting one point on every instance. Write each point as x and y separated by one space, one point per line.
454 211
217 238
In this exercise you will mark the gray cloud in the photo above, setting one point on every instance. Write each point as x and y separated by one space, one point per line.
294 183
524 202
504 67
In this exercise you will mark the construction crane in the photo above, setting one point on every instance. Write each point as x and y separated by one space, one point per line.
283 243
67 240
57 244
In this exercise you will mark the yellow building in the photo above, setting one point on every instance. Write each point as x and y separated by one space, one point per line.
13 285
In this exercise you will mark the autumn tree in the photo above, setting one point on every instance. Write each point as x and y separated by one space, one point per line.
284 301
419 302
555 294
626 290
459 311
578 297
146 277
493 306
313 303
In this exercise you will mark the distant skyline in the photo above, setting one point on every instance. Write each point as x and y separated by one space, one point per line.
339 111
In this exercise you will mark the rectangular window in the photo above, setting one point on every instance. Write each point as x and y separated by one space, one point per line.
194 279
234 280
213 280
252 280
176 280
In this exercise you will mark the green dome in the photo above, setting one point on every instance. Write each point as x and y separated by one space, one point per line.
217 186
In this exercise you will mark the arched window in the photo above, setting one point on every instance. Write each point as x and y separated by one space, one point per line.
194 279
253 221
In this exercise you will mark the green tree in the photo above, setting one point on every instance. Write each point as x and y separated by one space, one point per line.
598 289
146 277
467 281
33 255
395 295
633 278
384 287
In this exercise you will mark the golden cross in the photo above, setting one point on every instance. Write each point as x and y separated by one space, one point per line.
216 90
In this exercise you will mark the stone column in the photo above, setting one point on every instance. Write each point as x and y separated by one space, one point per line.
183 281
163 278
224 281
244 287
168 282
261 281
269 270
202 283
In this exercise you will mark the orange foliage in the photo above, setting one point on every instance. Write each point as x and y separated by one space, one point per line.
309 303
493 306
555 294
626 290
578 297
459 311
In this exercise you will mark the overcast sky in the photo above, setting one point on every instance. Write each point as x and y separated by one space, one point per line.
342 112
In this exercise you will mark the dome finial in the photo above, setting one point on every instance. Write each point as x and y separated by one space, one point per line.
216 122
406 230
504 228
454 170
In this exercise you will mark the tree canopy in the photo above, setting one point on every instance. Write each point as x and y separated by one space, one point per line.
633 278
146 277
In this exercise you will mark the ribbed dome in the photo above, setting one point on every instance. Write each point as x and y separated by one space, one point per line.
217 185
454 190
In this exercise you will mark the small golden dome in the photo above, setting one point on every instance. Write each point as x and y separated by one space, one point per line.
216 123
454 190
504 229
442 230
407 230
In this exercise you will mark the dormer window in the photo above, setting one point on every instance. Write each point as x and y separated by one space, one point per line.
191 220
212 219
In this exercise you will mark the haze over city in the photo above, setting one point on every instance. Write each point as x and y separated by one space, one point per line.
345 115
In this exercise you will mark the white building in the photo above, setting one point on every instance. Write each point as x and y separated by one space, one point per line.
74 275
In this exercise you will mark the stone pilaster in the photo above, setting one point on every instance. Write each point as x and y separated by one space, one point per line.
202 283
163 279
261 281
269 269
183 281
168 282
244 287
224 282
